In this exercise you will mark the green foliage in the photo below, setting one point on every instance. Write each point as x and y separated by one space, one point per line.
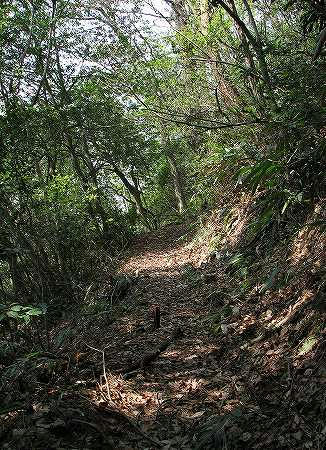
192 276
307 345
19 313
87 139
240 265
269 283
262 174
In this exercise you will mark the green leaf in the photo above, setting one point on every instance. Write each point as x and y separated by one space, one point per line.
267 215
270 281
34 312
16 308
32 355
13 314
307 345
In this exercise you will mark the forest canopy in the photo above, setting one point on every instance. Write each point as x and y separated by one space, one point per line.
122 116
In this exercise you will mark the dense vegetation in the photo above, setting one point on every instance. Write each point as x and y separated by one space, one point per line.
109 127
119 117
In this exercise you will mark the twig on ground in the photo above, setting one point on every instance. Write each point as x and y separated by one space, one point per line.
104 370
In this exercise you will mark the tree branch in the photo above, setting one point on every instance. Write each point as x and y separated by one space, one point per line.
47 60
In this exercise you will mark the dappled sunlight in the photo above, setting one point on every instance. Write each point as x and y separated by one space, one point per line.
163 218
154 260
253 352
216 352
222 346
164 249
309 246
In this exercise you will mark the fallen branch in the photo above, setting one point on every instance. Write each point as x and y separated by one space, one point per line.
149 357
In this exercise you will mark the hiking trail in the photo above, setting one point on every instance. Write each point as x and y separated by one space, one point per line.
230 389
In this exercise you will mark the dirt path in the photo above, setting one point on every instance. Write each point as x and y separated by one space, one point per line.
227 369
168 393
206 390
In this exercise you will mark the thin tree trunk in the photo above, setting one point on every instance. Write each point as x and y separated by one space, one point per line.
175 172
248 58
228 92
255 41
136 195
48 54
178 191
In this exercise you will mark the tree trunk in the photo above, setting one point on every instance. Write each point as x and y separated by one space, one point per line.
175 172
226 89
136 195
178 191
95 208
255 41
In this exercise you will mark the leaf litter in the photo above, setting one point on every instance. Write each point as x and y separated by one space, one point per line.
243 370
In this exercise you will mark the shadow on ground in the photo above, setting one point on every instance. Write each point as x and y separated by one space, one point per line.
246 368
